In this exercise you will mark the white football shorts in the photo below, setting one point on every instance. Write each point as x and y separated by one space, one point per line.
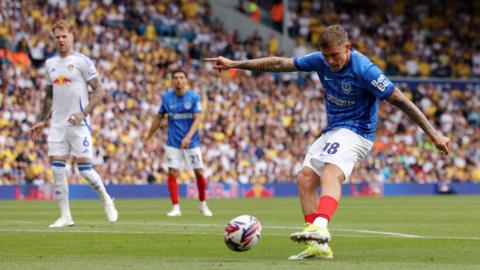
70 140
178 158
341 147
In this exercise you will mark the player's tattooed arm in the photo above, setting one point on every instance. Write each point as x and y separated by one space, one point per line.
441 142
398 99
97 94
272 64
46 105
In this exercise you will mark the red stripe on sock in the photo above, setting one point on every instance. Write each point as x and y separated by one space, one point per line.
202 186
173 189
327 207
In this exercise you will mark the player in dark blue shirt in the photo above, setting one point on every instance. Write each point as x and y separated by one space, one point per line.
183 108
353 86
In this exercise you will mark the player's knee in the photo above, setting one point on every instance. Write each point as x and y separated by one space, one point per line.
85 169
173 173
307 181
332 173
58 168
198 174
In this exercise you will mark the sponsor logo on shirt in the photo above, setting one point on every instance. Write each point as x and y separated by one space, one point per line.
340 102
381 83
62 80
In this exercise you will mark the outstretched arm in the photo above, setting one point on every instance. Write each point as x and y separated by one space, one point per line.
272 64
98 92
398 99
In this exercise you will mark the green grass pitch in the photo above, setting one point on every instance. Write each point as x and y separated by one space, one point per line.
368 233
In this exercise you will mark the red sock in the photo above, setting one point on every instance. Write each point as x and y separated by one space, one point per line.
327 207
310 218
202 186
173 189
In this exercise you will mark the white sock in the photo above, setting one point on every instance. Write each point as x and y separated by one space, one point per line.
203 204
61 189
176 207
97 184
321 222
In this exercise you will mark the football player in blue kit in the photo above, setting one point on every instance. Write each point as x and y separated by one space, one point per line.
353 86
183 108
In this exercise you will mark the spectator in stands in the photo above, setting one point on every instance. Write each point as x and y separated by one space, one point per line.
130 64
277 15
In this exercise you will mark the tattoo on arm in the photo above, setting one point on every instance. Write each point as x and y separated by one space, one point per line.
46 104
273 64
97 94
398 99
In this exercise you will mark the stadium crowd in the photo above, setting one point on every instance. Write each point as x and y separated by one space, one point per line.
407 37
256 127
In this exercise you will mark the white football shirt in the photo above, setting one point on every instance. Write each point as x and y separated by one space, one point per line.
69 76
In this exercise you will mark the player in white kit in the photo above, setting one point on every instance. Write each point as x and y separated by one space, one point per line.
67 100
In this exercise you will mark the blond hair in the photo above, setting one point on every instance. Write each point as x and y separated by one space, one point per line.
62 25
332 35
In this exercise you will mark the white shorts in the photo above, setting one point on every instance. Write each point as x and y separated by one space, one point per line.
178 158
72 140
341 147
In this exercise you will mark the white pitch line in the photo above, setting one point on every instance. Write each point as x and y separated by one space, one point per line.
370 232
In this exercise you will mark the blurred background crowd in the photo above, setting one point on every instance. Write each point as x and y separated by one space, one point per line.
257 126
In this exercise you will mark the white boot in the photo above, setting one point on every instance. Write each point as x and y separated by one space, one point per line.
204 209
62 222
111 212
175 212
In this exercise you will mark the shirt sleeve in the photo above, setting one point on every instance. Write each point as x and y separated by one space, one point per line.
377 83
309 62
88 69
163 106
47 75
197 107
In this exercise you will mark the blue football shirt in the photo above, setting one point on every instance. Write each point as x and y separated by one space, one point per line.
180 111
352 93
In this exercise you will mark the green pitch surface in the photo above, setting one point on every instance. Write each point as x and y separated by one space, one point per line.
368 233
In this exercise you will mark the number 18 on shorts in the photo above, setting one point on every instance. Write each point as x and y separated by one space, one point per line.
341 147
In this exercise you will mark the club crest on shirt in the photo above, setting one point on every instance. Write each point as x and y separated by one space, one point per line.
346 87
187 105
70 67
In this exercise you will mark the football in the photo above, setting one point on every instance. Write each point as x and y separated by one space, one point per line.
242 233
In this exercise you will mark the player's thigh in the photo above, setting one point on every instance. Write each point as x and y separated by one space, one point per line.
57 142
174 157
311 152
340 147
193 158
80 139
